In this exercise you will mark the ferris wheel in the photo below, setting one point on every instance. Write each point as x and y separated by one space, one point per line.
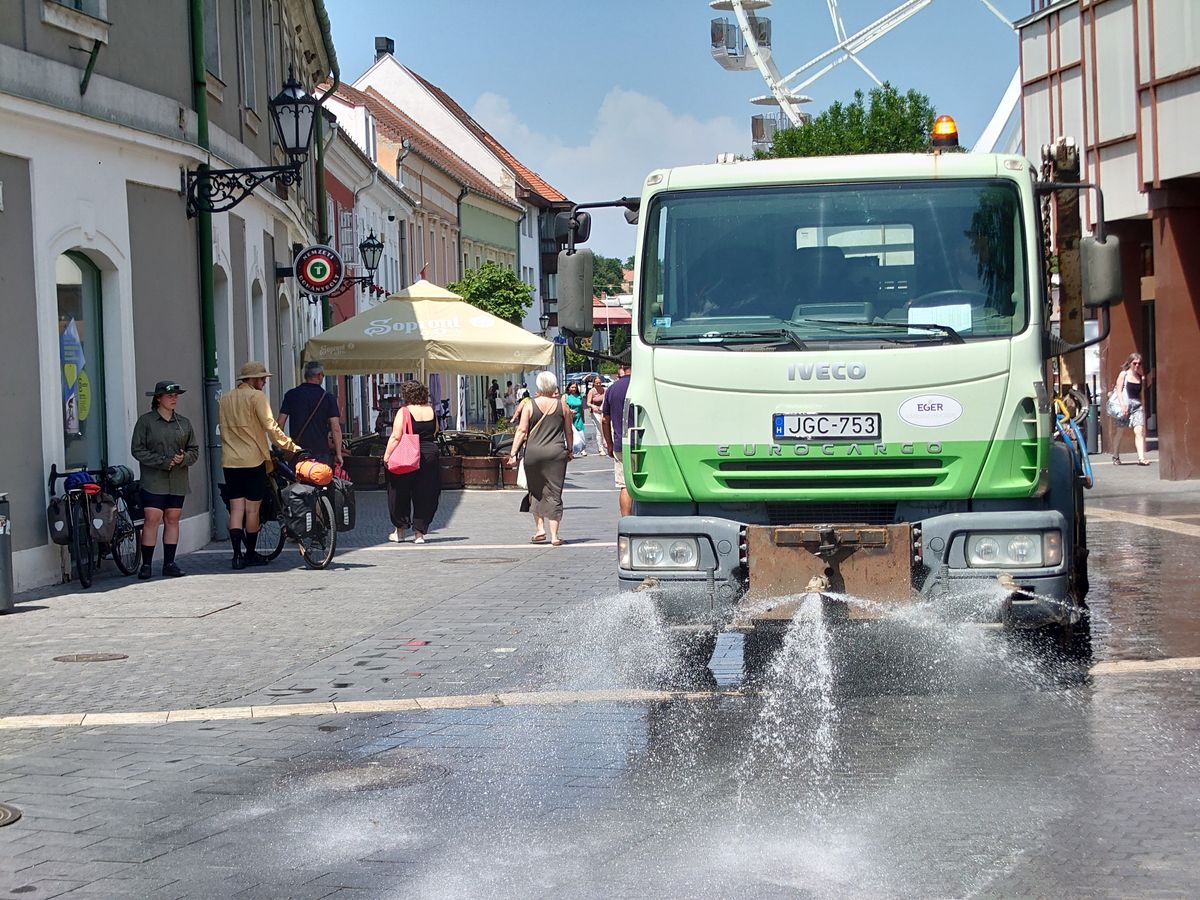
744 43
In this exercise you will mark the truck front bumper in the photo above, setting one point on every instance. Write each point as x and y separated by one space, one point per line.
709 591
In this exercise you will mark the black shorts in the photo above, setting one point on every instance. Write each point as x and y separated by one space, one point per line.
246 484
161 501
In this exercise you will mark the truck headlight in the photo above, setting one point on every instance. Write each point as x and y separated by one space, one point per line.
1029 550
665 552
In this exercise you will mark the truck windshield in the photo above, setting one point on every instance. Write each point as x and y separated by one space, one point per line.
899 263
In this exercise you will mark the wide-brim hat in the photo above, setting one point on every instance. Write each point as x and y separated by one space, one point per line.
166 387
253 369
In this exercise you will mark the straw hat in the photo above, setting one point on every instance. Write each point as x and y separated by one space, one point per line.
253 369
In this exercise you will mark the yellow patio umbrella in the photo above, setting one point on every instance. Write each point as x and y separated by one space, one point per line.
427 328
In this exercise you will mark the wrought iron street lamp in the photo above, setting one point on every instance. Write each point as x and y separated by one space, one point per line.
371 249
544 321
293 112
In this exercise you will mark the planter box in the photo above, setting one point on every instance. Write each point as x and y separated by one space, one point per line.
452 473
365 471
480 471
508 474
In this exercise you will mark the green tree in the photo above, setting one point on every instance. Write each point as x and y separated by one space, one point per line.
495 289
885 121
607 276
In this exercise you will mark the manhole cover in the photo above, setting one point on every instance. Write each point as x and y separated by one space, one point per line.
479 560
91 657
8 814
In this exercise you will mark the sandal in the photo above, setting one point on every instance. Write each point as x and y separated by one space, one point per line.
557 543
1117 461
1143 462
538 539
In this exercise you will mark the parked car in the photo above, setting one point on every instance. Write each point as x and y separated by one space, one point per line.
580 378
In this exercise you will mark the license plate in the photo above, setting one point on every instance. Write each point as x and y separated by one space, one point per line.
830 426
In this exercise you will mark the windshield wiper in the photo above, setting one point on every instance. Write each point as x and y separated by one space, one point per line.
953 336
784 335
690 339
718 338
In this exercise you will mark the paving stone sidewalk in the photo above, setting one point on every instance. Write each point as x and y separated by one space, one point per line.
383 621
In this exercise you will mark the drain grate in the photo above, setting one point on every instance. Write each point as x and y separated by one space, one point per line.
479 560
91 657
8 814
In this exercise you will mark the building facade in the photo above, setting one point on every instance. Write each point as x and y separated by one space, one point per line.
536 256
363 201
1122 77
99 121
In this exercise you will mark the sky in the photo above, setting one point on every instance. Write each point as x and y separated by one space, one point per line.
594 94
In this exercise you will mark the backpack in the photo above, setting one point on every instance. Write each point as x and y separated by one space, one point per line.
342 495
299 508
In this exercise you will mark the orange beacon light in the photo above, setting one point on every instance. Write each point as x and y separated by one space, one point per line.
945 132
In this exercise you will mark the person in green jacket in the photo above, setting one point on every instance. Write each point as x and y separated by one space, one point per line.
165 446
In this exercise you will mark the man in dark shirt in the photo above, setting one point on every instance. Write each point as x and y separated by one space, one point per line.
612 424
314 415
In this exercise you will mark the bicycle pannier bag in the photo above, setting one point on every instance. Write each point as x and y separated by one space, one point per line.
299 505
58 514
312 472
343 504
103 521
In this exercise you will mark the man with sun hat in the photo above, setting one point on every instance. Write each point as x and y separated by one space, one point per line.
245 423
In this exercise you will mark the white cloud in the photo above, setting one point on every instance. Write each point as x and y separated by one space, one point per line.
631 135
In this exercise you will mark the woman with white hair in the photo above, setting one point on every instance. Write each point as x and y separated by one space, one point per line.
543 428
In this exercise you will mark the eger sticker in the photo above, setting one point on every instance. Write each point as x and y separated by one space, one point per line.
930 410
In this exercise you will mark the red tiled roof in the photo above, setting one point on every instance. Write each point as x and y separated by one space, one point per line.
398 126
528 178
613 315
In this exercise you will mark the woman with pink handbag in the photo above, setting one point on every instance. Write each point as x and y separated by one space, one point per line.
414 478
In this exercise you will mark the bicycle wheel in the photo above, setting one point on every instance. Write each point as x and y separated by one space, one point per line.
318 545
82 548
270 537
126 542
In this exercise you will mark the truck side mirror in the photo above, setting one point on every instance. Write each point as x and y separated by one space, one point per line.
1100 271
575 292
562 227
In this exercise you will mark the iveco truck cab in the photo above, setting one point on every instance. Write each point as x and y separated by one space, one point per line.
840 383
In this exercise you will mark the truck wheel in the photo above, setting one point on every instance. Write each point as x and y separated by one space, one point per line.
1073 641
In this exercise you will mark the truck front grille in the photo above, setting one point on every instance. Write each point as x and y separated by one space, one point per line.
831 474
830 513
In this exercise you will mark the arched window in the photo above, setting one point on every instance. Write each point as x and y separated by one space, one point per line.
81 360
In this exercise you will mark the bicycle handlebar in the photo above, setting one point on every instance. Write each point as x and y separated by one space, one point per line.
99 474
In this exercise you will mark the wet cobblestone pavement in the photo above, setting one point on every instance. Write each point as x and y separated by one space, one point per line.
917 758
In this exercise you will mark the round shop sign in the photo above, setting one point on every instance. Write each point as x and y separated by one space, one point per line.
319 269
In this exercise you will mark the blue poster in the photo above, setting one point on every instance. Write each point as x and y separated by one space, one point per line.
74 376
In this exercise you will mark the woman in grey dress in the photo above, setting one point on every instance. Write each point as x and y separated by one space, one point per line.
543 430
